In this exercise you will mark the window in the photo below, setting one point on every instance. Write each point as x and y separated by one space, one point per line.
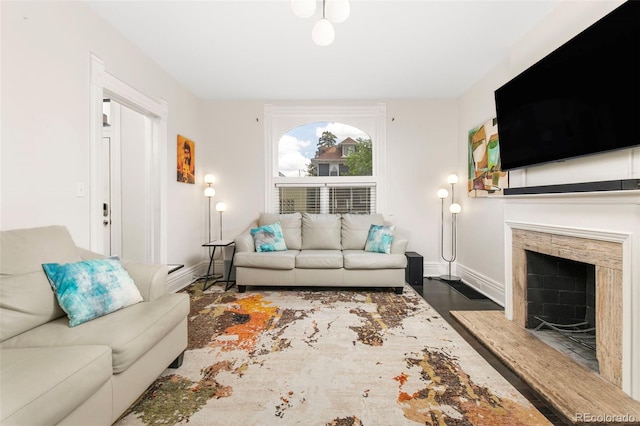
349 150
325 159
325 198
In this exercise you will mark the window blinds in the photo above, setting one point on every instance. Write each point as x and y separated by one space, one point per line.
325 198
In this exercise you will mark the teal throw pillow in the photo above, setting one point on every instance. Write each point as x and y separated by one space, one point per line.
269 238
379 239
91 288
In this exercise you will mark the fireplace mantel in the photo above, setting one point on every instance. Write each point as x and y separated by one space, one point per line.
608 217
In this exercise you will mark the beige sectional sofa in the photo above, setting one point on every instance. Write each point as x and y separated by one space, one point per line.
89 374
322 250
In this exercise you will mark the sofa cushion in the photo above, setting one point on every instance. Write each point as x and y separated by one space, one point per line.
355 229
130 332
267 260
321 231
379 239
319 259
26 301
25 250
360 259
43 385
91 288
268 238
291 224
26 298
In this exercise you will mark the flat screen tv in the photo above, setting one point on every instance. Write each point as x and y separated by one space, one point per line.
583 98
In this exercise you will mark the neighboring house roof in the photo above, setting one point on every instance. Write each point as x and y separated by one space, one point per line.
334 153
348 141
330 154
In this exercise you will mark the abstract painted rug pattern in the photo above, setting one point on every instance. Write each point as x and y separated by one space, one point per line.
327 357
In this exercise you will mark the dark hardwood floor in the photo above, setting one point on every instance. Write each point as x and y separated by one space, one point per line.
443 298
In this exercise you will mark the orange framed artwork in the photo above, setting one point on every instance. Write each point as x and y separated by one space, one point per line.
186 166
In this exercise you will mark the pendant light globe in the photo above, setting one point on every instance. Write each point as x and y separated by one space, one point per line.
323 32
337 11
303 8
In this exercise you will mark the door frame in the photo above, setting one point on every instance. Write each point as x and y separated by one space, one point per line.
105 85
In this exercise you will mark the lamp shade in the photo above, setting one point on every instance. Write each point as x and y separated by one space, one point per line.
209 192
443 193
209 179
323 32
455 208
452 179
337 10
221 206
303 8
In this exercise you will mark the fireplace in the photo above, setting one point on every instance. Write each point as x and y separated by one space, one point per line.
560 291
528 247
561 306
601 229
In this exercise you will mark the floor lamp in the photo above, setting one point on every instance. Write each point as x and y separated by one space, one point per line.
221 207
209 192
454 209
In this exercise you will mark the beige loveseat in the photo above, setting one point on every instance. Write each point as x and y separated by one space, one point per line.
51 373
322 250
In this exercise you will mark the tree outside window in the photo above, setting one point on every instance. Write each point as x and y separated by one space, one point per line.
325 149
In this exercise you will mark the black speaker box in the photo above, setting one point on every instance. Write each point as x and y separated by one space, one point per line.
414 272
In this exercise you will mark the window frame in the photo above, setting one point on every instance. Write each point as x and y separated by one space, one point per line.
281 119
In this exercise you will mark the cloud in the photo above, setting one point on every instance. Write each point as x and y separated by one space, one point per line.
291 162
342 131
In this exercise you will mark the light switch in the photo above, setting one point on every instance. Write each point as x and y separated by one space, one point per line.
80 189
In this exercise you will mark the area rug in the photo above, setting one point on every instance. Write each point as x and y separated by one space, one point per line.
327 357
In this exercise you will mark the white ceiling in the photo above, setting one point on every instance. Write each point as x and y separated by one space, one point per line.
391 49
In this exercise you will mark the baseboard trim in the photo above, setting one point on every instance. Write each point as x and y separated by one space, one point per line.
185 276
433 269
483 284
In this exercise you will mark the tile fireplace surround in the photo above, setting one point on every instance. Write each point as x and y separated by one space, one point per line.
602 229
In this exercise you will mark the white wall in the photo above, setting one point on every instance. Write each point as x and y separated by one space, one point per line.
45 49
420 153
481 231
44 107
45 113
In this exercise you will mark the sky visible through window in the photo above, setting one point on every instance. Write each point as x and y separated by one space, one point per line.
298 146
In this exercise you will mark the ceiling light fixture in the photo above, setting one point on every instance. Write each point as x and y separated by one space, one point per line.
303 8
333 12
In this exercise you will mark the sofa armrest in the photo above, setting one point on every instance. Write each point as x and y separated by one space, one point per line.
244 241
399 244
150 278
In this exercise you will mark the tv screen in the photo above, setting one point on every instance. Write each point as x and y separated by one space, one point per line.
583 98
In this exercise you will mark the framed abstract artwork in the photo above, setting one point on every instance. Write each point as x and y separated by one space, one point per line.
186 166
486 177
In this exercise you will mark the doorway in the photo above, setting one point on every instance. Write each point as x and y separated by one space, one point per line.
129 177
122 174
